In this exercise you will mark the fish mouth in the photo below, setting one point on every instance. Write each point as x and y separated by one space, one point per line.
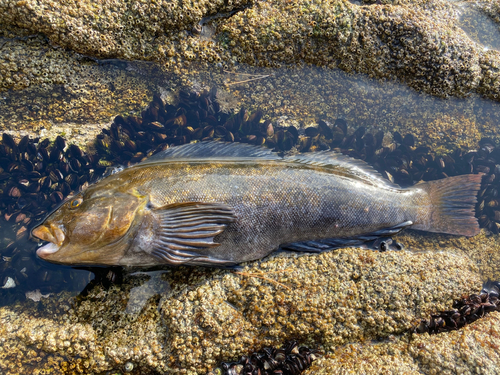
51 233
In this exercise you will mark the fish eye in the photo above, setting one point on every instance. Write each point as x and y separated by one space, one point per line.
75 203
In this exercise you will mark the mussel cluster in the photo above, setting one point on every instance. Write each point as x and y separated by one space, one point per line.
36 175
289 360
466 310
196 117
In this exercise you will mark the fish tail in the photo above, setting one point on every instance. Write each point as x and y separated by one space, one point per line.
453 202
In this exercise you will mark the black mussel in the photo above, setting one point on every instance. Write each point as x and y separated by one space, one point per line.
259 140
10 142
155 126
408 140
31 149
311 131
369 140
397 137
56 175
55 155
360 132
75 151
14 192
482 169
56 197
487 144
348 141
269 129
293 132
72 180
208 131
44 144
379 138
23 144
305 144
341 124
114 131
43 155
220 132
325 130
256 117
119 121
198 133
60 143
28 165
211 120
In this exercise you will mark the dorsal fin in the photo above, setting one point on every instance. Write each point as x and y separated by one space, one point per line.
213 149
217 150
336 160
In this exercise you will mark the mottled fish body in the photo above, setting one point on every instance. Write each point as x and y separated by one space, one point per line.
221 204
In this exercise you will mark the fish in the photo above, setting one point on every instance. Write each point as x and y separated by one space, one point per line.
221 204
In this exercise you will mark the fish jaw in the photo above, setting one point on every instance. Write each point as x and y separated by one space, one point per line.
46 250
51 233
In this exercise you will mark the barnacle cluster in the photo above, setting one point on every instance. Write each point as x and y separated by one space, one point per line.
140 31
464 311
383 41
417 42
289 360
52 89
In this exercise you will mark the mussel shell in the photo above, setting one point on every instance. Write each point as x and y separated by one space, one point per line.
325 130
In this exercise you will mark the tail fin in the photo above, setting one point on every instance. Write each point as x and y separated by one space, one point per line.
453 201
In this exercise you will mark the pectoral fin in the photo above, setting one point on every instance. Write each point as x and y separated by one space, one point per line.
184 230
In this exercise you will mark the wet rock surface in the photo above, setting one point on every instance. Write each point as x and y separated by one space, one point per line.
417 42
190 319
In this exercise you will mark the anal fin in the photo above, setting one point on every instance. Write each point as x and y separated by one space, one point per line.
184 230
379 240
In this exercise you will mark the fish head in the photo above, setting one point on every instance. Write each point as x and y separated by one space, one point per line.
91 228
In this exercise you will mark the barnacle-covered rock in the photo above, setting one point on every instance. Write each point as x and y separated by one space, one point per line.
419 42
473 349
194 318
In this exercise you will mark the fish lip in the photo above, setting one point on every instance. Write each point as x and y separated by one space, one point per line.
44 251
51 233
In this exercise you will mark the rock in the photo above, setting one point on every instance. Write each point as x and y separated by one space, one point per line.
420 43
199 317
474 349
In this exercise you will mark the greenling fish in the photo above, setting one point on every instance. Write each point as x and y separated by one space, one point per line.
218 204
